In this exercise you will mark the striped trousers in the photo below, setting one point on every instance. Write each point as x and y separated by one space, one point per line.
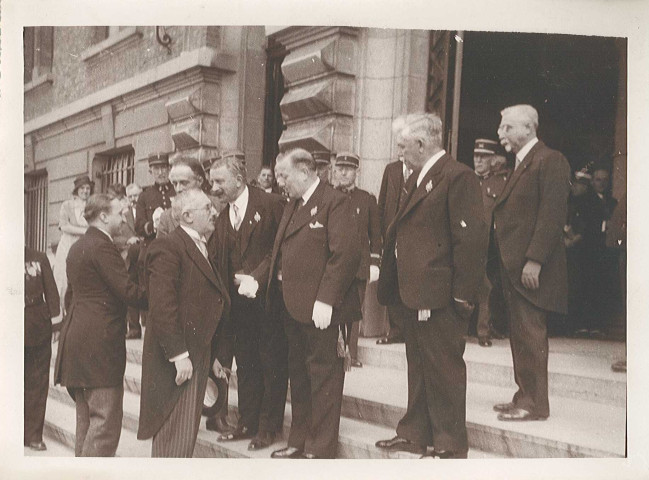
177 436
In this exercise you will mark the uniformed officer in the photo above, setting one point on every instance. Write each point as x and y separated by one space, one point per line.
490 165
154 199
365 210
323 165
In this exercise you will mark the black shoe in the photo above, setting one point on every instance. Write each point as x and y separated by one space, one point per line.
134 335
619 366
238 433
288 452
38 446
218 424
519 415
261 440
484 341
388 340
310 456
504 407
400 444
443 454
356 363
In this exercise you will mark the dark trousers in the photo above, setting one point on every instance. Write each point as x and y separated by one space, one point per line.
436 413
354 331
396 317
99 420
261 351
37 377
528 337
177 436
317 377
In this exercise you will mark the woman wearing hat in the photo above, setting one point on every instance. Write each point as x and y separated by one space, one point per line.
72 225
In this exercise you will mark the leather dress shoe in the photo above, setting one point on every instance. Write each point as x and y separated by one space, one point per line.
288 452
238 433
38 446
261 440
504 407
388 340
356 363
443 454
309 456
400 444
134 335
218 424
484 342
519 415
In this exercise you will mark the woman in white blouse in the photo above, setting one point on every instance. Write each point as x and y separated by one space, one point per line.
72 225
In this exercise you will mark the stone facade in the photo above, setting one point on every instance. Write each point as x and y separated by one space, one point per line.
128 92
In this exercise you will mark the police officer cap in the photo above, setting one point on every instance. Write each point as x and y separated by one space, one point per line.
321 157
347 158
484 145
158 159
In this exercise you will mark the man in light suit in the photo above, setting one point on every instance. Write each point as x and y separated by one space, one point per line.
527 232
187 301
241 245
91 358
433 263
313 264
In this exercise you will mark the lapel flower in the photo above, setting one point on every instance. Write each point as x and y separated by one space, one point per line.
314 211
429 186
358 211
257 217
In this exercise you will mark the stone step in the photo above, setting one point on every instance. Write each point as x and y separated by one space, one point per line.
578 369
379 397
356 438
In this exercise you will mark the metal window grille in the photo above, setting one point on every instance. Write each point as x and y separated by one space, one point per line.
36 211
118 168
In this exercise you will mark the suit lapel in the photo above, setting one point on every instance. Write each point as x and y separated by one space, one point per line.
427 185
516 174
304 214
197 257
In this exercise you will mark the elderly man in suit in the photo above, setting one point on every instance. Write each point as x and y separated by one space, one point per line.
391 196
433 262
91 358
527 231
187 299
241 246
309 281
133 191
41 305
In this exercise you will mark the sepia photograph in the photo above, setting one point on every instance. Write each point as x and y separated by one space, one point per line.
256 239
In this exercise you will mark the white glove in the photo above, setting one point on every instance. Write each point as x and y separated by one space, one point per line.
322 314
374 273
157 213
248 286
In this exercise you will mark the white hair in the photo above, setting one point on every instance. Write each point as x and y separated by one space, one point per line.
186 200
527 113
422 126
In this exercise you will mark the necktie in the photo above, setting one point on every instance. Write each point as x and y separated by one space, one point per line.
237 217
202 246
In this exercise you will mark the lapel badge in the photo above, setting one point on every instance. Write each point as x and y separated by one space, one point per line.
257 217
358 211
429 186
314 210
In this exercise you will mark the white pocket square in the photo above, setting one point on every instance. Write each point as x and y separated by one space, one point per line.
316 224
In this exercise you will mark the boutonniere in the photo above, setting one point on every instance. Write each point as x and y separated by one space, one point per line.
429 186
33 269
314 210
257 217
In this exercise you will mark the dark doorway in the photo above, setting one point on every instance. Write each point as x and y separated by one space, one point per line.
571 80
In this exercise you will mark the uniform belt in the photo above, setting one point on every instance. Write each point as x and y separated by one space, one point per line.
34 301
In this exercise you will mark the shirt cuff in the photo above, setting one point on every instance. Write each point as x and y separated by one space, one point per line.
179 357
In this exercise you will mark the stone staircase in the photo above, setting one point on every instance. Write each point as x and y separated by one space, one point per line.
587 403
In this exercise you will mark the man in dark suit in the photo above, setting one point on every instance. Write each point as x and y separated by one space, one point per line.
366 214
241 245
187 301
527 232
323 165
41 305
314 261
133 314
391 196
91 358
433 262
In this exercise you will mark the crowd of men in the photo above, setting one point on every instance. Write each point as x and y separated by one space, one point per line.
218 267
